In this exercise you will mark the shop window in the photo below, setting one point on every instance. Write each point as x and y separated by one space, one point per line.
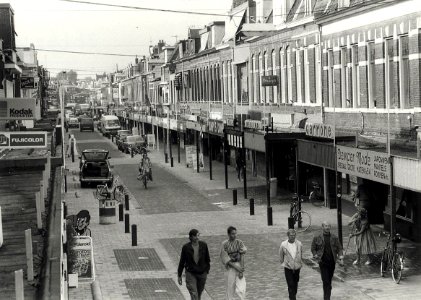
404 204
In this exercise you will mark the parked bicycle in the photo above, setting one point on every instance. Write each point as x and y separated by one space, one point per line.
392 258
117 191
302 219
138 150
316 197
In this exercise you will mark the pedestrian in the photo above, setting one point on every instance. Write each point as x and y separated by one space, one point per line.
365 243
327 249
72 147
232 258
239 162
195 259
291 256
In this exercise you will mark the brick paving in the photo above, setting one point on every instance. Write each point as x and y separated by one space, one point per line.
165 229
159 288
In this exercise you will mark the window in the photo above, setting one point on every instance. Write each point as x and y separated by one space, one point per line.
388 75
331 86
299 72
284 75
229 82
318 63
224 82
306 79
404 71
289 75
344 76
275 72
256 81
354 74
262 73
370 75
252 76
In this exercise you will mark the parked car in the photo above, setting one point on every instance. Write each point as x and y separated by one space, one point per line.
86 124
73 122
95 167
132 141
119 137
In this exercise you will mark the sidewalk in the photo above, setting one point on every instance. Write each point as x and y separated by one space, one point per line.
160 235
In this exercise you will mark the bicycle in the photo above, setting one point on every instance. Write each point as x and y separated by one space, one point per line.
302 219
144 177
315 195
392 259
103 192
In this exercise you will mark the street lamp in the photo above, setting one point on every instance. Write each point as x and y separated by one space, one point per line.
61 98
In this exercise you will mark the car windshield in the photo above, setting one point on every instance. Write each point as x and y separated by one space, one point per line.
123 132
113 123
86 120
95 155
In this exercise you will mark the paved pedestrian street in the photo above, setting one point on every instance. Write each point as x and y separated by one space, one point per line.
179 199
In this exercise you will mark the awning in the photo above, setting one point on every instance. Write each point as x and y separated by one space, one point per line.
13 68
258 29
232 24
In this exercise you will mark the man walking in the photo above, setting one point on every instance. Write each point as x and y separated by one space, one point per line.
326 250
195 259
232 257
291 256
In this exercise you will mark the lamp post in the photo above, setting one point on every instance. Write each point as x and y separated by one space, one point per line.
61 96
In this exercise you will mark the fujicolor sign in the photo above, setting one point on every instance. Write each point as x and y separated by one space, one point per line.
17 109
320 130
23 140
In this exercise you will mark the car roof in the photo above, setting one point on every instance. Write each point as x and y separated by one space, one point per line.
95 150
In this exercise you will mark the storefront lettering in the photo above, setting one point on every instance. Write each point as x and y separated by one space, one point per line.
363 163
320 130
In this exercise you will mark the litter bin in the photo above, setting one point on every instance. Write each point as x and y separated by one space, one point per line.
273 187
107 211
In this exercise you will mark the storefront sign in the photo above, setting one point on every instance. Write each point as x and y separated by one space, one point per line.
23 140
253 124
17 109
216 127
271 80
81 258
363 163
325 131
27 83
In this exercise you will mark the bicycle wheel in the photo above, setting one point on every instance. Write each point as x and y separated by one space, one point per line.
119 193
305 221
384 262
397 267
316 201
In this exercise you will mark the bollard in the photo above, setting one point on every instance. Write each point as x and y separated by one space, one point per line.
270 219
291 223
166 157
126 201
234 197
134 235
38 208
120 212
131 153
172 162
251 206
19 289
112 138
126 223
42 196
29 255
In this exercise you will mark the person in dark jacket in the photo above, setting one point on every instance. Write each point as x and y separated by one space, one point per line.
195 259
327 249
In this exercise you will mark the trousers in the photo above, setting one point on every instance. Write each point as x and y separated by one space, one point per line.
292 277
326 271
234 284
195 284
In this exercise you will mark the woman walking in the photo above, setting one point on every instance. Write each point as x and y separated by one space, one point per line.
364 238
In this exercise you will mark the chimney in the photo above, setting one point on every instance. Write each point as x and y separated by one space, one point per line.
136 60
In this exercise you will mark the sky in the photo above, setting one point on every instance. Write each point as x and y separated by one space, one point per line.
59 25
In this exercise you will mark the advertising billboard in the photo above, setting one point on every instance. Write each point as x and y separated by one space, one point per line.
23 140
17 109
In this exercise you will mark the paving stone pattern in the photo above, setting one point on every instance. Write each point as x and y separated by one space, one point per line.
144 259
159 288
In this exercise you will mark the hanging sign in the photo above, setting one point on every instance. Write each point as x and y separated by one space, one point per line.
363 163
271 80
23 140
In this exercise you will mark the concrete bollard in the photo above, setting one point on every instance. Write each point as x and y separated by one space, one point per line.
134 235
29 255
251 206
126 223
172 162
19 290
96 290
64 209
291 223
1 230
120 212
38 207
234 197
126 202
270 218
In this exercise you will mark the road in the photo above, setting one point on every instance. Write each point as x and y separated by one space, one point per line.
179 199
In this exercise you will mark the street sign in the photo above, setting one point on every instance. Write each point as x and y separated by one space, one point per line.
23 140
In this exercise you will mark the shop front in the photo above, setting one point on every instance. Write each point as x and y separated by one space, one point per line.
235 140
214 148
407 197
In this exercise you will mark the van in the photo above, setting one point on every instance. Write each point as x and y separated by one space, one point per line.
109 125
86 124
